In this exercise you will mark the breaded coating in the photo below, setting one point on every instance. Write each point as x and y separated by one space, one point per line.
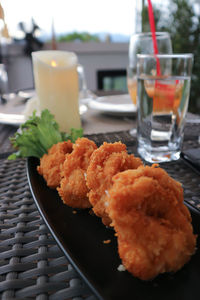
73 189
106 161
152 223
50 163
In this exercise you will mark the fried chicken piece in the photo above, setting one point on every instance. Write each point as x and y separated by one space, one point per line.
152 223
50 163
106 161
73 189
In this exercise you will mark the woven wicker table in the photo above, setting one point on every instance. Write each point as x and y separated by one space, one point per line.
31 264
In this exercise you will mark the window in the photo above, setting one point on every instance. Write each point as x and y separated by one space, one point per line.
109 80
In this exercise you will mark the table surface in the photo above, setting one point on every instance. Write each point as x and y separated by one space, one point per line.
31 264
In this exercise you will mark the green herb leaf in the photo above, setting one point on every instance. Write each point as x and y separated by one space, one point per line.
38 134
76 133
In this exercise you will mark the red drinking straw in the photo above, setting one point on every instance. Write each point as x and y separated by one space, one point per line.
153 32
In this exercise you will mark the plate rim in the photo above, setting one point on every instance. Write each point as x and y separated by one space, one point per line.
110 108
65 252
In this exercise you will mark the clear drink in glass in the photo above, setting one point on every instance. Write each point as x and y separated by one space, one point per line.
162 106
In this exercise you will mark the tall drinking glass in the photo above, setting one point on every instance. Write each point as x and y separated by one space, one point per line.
163 89
141 43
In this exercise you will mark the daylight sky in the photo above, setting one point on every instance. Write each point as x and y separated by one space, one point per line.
89 15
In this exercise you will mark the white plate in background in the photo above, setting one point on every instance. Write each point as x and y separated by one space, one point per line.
119 105
12 119
16 112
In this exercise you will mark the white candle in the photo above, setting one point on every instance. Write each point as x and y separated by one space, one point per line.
56 83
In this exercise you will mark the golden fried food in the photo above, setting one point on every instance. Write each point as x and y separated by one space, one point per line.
73 189
50 163
106 161
152 223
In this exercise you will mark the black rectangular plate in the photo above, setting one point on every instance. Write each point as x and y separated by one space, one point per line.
192 158
81 236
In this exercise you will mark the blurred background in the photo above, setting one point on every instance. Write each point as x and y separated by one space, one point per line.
98 31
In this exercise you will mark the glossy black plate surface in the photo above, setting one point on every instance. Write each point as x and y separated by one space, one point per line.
81 237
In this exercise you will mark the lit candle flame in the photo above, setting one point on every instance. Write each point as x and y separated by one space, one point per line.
53 63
